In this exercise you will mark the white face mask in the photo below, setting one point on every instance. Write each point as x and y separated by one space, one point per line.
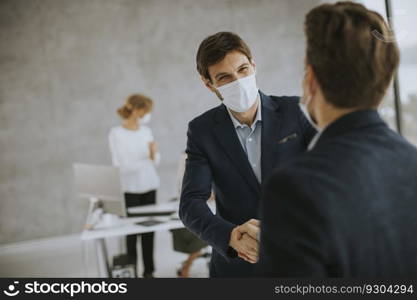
146 118
240 94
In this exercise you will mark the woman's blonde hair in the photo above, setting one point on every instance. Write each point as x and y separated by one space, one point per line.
135 101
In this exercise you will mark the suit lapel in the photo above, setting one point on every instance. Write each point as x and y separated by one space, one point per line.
228 139
271 124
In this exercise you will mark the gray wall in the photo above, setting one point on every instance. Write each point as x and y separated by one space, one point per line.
67 65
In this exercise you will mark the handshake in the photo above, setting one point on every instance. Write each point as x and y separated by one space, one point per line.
245 240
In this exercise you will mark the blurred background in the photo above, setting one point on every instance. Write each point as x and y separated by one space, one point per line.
66 66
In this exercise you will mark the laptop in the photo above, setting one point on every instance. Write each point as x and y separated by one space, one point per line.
99 182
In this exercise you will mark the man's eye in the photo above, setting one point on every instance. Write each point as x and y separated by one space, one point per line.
243 69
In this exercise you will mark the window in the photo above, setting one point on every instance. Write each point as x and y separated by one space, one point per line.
404 27
387 108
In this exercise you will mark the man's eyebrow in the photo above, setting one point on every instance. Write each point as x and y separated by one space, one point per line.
243 65
224 73
221 74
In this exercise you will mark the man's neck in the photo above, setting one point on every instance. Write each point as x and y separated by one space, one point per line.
332 114
247 117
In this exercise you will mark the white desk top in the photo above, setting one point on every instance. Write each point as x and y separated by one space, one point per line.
127 226
164 207
155 208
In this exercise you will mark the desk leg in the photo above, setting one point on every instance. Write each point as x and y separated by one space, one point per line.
102 258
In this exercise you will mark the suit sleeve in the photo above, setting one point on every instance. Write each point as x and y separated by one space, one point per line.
196 190
293 233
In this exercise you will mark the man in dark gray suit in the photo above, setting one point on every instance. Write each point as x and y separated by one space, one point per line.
348 206
231 149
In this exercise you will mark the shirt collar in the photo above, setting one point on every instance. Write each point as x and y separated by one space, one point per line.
314 141
351 121
258 117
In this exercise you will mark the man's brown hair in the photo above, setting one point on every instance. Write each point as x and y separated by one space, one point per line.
215 47
351 53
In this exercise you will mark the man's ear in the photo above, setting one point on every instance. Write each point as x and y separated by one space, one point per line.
253 64
310 79
210 86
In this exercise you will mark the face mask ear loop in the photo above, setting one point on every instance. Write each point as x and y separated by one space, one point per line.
304 108
216 91
218 94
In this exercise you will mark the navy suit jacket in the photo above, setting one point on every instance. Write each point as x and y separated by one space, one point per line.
216 159
347 208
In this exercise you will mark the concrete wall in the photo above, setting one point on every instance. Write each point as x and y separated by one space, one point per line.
67 65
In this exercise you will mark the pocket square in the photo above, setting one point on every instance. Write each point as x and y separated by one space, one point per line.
287 138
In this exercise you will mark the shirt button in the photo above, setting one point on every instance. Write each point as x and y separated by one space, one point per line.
250 139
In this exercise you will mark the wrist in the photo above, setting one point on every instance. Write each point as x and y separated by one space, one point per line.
232 238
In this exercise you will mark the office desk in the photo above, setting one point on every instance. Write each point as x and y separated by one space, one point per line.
155 208
127 226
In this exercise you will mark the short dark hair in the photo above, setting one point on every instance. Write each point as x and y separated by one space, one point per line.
215 47
353 65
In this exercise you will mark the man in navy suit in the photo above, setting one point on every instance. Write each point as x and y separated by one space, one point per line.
232 149
348 206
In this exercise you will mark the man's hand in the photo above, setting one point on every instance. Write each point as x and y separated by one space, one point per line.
244 239
252 228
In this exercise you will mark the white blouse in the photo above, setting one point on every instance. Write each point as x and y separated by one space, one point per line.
130 152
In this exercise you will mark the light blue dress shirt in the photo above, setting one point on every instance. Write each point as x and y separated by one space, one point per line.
250 139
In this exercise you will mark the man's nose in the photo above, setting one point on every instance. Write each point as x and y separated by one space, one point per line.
235 76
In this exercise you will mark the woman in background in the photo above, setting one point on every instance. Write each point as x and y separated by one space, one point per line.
134 151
